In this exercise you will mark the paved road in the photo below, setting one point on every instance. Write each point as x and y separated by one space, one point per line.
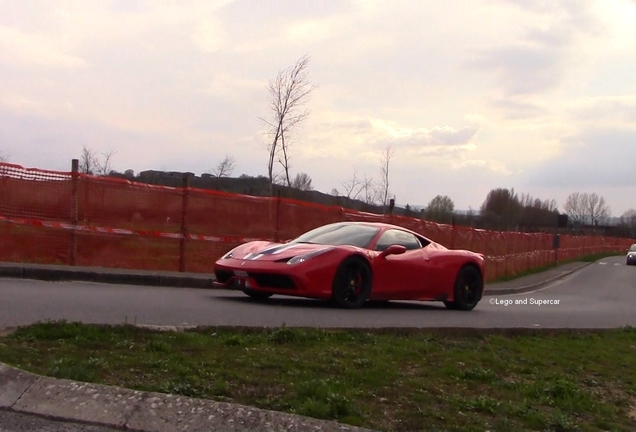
602 295
16 422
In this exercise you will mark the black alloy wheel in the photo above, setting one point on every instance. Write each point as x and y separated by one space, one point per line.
351 284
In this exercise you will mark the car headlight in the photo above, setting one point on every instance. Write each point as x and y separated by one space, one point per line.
302 258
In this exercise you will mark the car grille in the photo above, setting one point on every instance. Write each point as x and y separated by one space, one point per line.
268 280
265 280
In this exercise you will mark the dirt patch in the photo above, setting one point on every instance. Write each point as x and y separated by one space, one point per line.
632 410
4 332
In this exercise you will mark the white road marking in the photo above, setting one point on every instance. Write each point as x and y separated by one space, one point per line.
602 263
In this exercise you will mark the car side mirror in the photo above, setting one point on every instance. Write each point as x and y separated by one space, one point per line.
392 250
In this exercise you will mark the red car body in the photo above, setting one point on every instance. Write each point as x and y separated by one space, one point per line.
394 266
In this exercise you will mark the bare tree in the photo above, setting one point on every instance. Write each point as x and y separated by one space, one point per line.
586 208
90 162
575 207
353 186
597 209
288 93
105 166
225 168
385 162
369 190
360 188
302 181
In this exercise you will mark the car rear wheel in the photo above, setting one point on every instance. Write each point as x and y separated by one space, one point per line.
351 284
257 295
468 289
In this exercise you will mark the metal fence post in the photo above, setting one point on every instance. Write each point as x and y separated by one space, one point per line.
184 222
74 210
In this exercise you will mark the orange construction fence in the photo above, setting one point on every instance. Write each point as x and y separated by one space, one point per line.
72 218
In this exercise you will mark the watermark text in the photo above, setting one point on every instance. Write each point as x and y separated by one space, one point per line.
523 301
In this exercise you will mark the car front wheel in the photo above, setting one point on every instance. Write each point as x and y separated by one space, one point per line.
351 284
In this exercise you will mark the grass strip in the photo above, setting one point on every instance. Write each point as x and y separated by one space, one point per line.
392 380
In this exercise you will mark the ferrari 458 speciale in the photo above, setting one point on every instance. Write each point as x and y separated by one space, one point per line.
349 263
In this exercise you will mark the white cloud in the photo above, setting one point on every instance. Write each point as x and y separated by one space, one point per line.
34 50
209 36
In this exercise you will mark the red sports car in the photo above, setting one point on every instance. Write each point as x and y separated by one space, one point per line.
349 263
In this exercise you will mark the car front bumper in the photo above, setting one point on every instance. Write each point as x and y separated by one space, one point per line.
265 277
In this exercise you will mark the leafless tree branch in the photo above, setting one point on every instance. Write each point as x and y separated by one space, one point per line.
369 190
352 187
385 162
105 166
90 162
225 168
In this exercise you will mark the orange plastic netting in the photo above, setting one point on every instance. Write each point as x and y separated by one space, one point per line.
66 218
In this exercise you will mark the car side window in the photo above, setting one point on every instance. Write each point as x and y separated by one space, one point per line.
398 237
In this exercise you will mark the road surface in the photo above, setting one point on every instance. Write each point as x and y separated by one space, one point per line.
17 422
602 295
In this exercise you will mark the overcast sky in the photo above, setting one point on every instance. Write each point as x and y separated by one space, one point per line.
539 96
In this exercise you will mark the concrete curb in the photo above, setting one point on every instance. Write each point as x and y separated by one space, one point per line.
111 276
531 287
116 407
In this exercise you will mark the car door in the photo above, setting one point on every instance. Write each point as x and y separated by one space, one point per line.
400 276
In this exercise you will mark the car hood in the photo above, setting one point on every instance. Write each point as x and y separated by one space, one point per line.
268 251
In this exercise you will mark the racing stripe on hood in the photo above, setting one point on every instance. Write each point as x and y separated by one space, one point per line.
271 251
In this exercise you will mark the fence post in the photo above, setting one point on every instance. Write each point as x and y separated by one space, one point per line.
184 222
74 210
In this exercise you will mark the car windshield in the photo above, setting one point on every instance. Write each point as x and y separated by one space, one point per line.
340 234
632 248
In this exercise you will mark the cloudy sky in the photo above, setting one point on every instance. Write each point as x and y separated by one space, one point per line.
539 96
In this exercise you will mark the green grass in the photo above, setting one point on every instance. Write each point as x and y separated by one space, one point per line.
384 379
585 258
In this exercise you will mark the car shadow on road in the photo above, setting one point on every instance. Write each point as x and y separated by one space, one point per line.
321 304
